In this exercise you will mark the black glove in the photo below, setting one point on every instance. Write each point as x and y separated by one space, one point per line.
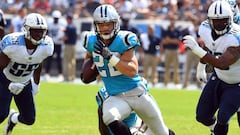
102 49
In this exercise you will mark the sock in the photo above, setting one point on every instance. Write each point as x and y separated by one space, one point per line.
14 118
119 128
221 129
212 126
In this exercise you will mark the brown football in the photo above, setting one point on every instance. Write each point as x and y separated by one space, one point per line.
89 71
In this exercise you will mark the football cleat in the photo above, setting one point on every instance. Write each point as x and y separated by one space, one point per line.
212 132
10 125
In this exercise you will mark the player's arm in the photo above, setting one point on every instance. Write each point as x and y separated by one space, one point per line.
37 74
128 64
4 60
230 56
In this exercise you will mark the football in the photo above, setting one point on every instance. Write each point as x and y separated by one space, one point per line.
89 71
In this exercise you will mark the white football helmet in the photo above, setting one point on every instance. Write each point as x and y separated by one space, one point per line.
106 13
220 17
56 14
34 21
234 6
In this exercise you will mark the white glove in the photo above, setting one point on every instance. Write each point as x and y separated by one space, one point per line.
201 73
16 88
190 42
35 88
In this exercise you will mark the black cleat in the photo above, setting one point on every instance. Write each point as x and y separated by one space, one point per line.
10 125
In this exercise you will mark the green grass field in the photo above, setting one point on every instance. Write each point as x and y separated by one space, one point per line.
70 109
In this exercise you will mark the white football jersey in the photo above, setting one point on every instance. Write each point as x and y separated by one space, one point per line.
56 31
219 46
22 64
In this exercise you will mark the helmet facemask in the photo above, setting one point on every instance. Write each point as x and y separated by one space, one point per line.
33 34
103 34
220 17
35 28
220 26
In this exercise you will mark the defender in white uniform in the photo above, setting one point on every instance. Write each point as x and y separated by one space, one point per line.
222 90
21 59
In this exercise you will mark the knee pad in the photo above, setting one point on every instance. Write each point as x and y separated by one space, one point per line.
109 118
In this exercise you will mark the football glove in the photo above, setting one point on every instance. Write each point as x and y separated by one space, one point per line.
201 73
35 88
102 49
191 43
16 88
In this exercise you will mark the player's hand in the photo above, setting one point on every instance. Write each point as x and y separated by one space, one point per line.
35 88
16 88
102 49
201 73
191 43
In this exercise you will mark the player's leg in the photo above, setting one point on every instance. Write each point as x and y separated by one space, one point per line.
103 129
5 101
115 110
229 104
208 104
147 109
26 106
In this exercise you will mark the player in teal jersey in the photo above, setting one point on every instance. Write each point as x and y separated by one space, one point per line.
113 52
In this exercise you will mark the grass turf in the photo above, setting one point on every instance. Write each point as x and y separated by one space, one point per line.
70 109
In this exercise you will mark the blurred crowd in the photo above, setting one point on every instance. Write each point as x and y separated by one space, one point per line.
166 48
139 9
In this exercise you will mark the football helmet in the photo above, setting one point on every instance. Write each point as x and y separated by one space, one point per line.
56 14
234 6
220 17
106 13
35 28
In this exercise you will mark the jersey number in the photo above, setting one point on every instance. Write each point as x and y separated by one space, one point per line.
105 70
22 69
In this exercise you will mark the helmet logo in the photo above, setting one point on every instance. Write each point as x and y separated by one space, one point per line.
105 12
39 22
220 9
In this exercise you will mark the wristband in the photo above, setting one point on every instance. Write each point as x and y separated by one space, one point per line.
199 52
114 60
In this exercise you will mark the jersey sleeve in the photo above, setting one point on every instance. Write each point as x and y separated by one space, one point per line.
203 27
5 43
124 41
132 40
89 41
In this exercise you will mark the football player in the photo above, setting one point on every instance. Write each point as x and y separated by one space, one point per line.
222 50
21 59
3 24
236 19
113 52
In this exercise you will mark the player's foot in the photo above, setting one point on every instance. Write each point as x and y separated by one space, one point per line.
212 132
171 132
10 125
